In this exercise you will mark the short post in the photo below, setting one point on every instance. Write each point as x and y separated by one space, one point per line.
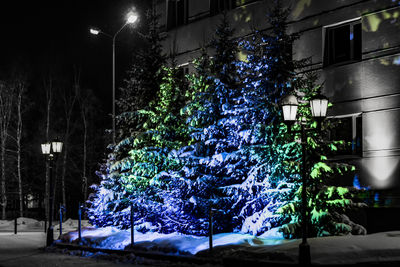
45 225
61 218
15 225
132 226
79 222
210 230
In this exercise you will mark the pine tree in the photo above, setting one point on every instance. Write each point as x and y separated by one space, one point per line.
327 202
141 88
143 81
135 179
199 186
274 178
240 159
268 73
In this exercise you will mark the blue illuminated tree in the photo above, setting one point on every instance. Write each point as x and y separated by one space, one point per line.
141 87
222 145
273 185
199 185
268 74
135 179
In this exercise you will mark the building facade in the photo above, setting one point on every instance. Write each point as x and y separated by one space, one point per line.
353 44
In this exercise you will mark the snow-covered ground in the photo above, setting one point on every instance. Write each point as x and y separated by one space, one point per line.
26 250
32 225
379 247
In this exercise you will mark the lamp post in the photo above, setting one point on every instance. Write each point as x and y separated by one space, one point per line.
131 18
51 150
319 106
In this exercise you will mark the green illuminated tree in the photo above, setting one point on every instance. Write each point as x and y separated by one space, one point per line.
136 178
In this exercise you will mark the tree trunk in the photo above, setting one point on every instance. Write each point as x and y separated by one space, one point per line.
3 180
69 103
6 100
19 136
84 182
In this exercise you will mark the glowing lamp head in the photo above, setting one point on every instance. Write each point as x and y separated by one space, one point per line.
56 146
46 147
289 108
94 31
131 18
319 106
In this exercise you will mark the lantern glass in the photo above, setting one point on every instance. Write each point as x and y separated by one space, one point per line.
319 106
46 148
289 112
57 146
289 107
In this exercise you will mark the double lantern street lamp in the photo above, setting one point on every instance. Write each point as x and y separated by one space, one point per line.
51 150
131 18
319 106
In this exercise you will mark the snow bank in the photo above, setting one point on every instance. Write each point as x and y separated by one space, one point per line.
349 249
23 224
113 238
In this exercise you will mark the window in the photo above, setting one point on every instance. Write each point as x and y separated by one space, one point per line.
218 6
177 11
347 128
342 43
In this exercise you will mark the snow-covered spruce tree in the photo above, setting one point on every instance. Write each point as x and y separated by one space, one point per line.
143 82
271 190
141 87
327 202
136 178
269 73
209 158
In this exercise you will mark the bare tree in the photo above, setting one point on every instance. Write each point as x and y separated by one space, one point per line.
69 103
20 88
83 107
48 85
6 104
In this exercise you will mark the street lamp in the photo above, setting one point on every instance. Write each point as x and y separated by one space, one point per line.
131 18
319 106
51 151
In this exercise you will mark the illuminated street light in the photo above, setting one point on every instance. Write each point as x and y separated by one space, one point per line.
51 151
94 31
46 147
131 18
319 106
289 107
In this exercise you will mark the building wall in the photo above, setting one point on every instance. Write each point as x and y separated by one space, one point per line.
370 87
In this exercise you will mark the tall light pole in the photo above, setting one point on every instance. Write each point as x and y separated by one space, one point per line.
131 18
51 150
319 106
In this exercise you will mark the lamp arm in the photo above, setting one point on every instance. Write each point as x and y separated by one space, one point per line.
115 35
106 34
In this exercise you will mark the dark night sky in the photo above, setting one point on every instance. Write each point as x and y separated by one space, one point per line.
39 34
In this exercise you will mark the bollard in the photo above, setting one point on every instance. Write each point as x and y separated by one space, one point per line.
132 228
15 225
45 225
61 218
79 222
210 231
